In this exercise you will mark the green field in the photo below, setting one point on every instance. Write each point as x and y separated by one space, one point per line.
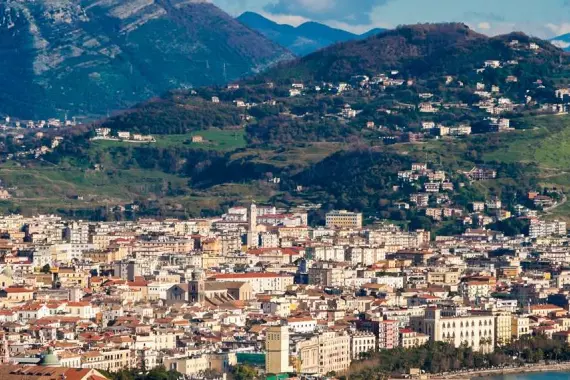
547 143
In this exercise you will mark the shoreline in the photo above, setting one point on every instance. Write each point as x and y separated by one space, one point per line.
479 374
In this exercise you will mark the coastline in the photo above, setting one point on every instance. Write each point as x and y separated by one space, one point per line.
476 374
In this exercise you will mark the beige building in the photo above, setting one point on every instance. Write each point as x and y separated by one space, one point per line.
343 219
109 360
307 358
187 365
477 331
277 347
334 352
443 277
411 339
520 326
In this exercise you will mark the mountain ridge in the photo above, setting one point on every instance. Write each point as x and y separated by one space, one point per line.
415 49
303 39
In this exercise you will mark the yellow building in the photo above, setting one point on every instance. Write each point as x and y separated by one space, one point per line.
343 219
520 326
70 277
503 328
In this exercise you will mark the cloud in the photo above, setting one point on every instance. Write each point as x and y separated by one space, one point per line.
352 12
285 19
561 44
477 16
484 25
559 29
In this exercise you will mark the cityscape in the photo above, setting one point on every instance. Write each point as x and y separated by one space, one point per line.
268 190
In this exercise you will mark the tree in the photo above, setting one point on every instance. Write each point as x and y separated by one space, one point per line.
46 269
244 372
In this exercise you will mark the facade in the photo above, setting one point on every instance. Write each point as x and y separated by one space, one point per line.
476 331
334 352
388 332
411 339
362 343
277 347
343 219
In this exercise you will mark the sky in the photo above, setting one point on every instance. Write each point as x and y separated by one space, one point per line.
540 18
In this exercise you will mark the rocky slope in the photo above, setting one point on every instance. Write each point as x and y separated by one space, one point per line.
90 57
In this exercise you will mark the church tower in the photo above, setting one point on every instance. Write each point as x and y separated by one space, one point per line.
197 287
252 235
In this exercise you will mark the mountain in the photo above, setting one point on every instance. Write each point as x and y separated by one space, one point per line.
341 147
421 50
562 41
89 57
303 39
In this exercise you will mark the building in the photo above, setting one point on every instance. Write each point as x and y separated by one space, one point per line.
481 174
343 219
362 343
277 347
334 352
503 328
252 234
520 326
476 331
260 282
410 338
388 334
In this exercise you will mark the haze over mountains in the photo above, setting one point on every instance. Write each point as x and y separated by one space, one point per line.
303 39
90 57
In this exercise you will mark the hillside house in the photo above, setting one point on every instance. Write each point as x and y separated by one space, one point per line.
481 174
124 135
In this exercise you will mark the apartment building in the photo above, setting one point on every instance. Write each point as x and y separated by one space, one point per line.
388 334
503 328
520 326
361 343
109 360
334 352
410 338
343 219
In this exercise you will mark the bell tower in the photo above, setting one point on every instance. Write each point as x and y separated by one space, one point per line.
197 287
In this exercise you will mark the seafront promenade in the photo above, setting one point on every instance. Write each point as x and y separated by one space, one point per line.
530 368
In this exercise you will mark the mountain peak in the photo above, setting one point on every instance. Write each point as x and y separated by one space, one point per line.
88 57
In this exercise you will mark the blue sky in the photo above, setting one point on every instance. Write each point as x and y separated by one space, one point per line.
541 18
